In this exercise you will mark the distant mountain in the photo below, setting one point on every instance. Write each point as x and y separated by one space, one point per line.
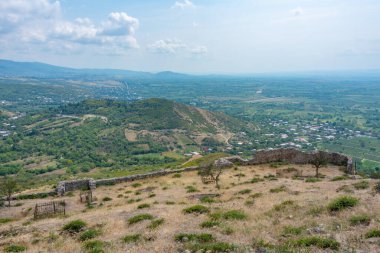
37 69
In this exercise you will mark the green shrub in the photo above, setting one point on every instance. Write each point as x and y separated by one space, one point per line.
339 178
362 219
15 248
207 199
312 180
196 209
5 220
156 223
278 189
256 180
284 205
135 185
191 189
142 206
256 195
177 175
341 203
209 224
89 234
290 230
320 242
246 191
75 226
170 202
361 185
139 217
95 246
132 238
229 215
234 215
220 247
373 233
199 238
107 199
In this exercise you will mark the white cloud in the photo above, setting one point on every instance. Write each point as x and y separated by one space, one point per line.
37 21
167 46
119 24
175 46
297 12
186 4
199 50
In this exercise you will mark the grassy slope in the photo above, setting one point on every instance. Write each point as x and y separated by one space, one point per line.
273 220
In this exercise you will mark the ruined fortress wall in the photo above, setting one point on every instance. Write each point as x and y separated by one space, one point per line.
295 156
288 155
65 186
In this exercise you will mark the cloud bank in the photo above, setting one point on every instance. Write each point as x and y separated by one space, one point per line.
41 22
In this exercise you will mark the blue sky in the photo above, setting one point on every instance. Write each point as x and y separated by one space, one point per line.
194 36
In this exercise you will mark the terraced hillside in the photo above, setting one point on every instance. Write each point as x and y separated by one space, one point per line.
105 138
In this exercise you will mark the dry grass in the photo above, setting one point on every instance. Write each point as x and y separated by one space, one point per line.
267 215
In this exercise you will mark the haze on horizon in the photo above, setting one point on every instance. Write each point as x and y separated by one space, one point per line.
194 36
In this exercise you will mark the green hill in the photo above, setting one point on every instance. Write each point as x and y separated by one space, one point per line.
101 138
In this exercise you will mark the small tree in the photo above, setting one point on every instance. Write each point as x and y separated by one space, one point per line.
319 161
8 186
214 169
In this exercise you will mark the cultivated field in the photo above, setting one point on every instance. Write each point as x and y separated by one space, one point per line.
258 208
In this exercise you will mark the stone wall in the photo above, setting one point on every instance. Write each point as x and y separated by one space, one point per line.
288 155
90 183
295 156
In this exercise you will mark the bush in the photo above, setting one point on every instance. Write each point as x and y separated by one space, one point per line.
5 220
177 175
156 223
191 189
341 203
135 185
15 248
207 199
196 209
256 180
284 205
95 246
246 191
320 242
214 247
107 199
209 224
139 217
75 226
142 206
339 178
256 195
362 219
199 238
89 234
361 185
312 180
133 238
234 215
289 230
373 233
278 189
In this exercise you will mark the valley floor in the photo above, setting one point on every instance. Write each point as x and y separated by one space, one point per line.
273 211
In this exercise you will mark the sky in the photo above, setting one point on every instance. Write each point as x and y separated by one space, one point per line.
194 36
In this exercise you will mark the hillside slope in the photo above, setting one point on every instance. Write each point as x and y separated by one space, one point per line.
110 138
257 209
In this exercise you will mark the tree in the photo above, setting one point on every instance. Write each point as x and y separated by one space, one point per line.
214 169
8 186
319 161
